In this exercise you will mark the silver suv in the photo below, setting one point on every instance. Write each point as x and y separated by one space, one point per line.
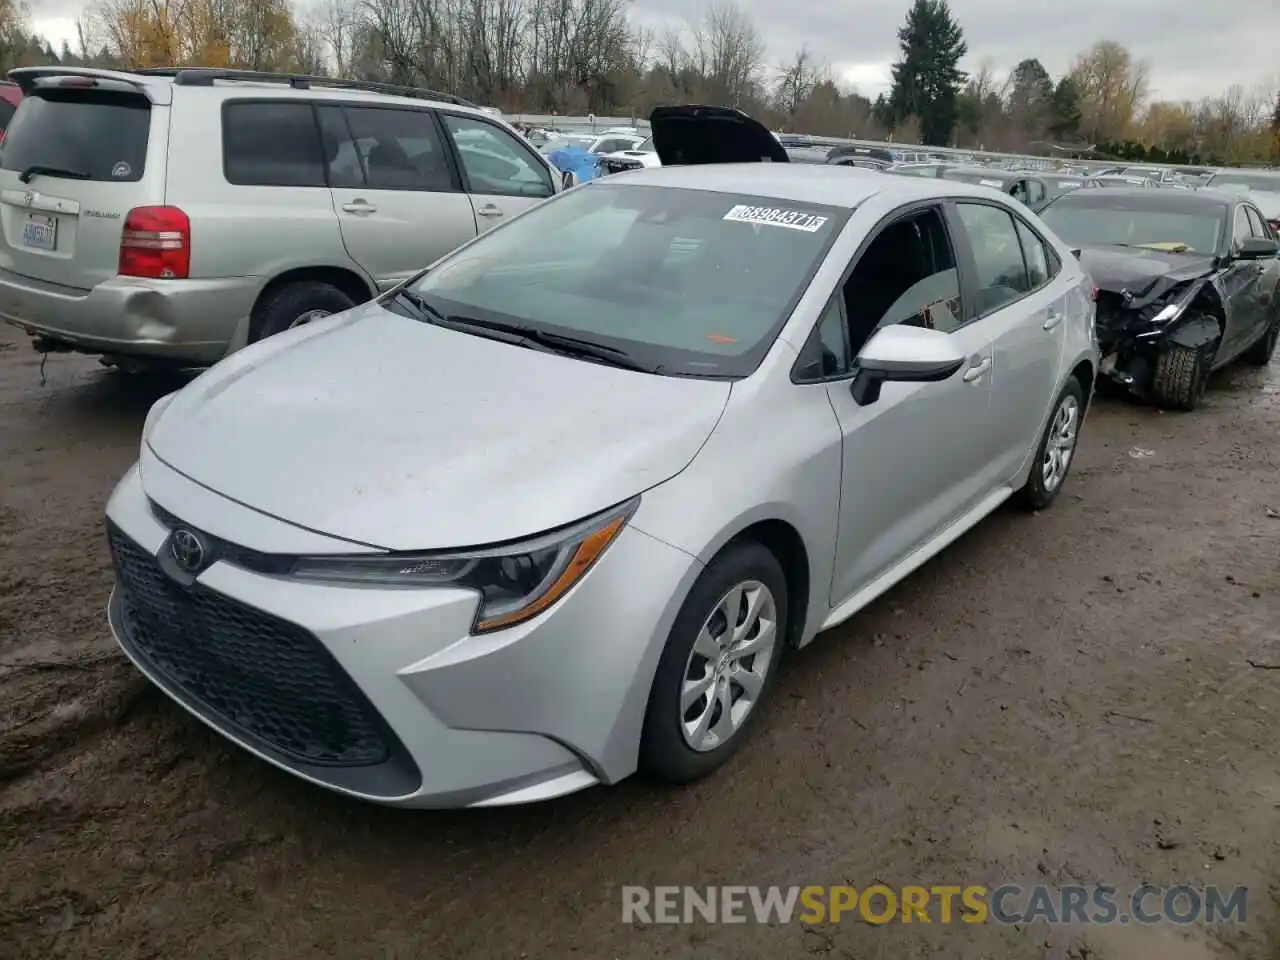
176 215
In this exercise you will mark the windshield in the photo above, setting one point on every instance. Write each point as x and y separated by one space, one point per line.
1247 181
1082 224
645 145
692 282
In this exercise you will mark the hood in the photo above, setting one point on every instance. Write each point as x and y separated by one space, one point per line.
705 134
1142 271
382 430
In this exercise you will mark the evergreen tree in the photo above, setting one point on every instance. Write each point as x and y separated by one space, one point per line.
1065 122
927 80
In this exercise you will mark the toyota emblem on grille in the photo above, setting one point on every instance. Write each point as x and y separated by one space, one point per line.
187 550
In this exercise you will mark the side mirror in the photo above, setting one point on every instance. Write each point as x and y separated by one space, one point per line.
568 179
905 355
1257 248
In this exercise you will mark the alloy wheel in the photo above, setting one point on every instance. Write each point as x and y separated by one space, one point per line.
1060 445
726 669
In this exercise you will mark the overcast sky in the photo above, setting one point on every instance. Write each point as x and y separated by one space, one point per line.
1195 48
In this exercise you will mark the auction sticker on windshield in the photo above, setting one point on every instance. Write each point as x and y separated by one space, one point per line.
775 217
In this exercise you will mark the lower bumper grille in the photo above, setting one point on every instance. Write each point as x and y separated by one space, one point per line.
266 681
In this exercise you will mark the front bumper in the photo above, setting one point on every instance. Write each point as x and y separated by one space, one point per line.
189 321
381 693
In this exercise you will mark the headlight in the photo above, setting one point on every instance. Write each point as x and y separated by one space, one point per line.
1173 306
516 582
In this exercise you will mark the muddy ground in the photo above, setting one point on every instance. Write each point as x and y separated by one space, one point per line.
1080 696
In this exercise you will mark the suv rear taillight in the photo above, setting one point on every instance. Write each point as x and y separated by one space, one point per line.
156 243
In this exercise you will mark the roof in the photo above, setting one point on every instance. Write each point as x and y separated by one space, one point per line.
1144 198
158 85
835 186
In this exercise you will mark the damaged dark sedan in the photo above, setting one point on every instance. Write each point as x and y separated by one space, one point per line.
1187 282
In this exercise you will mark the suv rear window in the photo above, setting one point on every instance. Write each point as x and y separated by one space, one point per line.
101 135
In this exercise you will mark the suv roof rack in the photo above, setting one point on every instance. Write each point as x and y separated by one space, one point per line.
205 77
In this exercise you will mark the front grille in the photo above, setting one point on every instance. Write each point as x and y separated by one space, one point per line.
265 680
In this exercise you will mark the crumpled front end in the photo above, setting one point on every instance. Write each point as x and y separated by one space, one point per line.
1132 331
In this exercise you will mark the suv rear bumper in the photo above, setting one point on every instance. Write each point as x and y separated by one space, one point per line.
186 320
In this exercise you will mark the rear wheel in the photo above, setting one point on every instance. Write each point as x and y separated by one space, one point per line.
296 304
1056 451
1259 355
719 663
1180 377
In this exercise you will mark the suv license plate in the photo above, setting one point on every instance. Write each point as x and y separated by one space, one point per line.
40 232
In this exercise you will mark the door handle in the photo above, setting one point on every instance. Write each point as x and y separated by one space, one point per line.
490 210
1053 319
359 206
977 370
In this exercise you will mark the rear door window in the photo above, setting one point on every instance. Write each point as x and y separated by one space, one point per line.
390 149
1040 264
997 253
96 135
271 144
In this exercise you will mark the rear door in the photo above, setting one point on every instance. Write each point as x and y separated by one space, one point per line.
79 154
503 175
395 188
1023 311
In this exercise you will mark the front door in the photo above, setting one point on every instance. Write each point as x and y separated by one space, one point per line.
503 175
398 199
920 456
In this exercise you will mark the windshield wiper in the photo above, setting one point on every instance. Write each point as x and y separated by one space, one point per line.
531 337
416 304
44 171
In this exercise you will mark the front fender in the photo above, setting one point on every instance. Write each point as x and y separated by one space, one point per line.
1195 332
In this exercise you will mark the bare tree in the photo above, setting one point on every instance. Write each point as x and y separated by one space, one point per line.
1113 88
729 51
337 22
797 80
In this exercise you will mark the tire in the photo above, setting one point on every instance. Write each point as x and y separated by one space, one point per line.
1180 377
666 750
1259 355
289 305
1056 450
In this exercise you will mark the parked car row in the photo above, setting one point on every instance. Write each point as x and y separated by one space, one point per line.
505 531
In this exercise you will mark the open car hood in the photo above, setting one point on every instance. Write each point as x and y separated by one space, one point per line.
695 133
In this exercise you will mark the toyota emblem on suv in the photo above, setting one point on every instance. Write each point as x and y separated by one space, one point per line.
187 550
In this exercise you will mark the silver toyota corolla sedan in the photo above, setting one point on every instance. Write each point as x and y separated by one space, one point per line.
552 511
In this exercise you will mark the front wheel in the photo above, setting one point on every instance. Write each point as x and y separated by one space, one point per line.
1180 378
718 664
1056 450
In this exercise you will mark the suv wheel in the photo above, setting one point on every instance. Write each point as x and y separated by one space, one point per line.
296 304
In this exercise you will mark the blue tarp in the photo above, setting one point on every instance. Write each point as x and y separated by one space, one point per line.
575 160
